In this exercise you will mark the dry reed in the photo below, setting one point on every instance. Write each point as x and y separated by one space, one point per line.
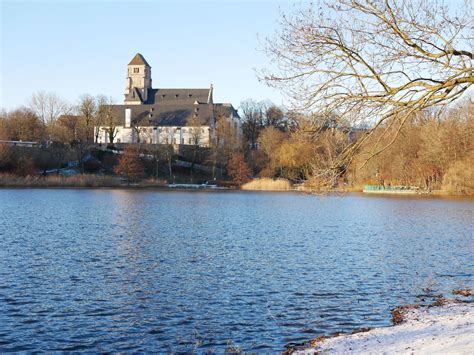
265 184
8 180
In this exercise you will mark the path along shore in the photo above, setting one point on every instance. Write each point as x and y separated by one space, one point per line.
447 329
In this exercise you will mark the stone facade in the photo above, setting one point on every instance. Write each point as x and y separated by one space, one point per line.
138 76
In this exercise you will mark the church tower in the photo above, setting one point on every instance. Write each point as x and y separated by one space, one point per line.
138 81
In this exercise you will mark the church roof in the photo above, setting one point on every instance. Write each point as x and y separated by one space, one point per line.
178 96
171 96
177 114
139 60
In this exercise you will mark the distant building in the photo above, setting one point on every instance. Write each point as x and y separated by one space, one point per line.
166 116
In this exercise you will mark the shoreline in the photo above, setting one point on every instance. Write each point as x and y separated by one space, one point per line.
436 194
87 181
446 326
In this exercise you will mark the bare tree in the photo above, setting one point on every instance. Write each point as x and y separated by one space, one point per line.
39 105
137 131
87 108
196 127
68 128
225 139
253 113
22 124
168 155
379 60
105 116
48 107
3 124
99 116
161 154
275 117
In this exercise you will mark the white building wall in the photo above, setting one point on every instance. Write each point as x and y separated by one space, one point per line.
159 135
123 135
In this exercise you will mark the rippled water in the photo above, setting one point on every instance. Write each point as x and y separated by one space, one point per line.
104 270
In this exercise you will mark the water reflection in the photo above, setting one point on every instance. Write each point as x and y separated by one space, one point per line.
105 270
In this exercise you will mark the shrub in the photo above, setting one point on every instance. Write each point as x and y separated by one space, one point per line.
130 165
460 177
25 166
238 170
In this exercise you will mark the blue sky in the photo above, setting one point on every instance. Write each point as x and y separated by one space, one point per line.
76 47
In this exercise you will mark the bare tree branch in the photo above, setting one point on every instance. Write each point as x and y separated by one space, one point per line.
377 60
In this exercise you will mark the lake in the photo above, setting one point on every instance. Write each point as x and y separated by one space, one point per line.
124 270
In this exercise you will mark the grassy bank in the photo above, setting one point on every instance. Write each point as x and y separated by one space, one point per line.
7 180
98 181
358 188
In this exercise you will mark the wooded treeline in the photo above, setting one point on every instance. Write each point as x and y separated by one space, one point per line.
433 150
62 133
400 66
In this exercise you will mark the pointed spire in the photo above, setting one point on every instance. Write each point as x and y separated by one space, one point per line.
139 60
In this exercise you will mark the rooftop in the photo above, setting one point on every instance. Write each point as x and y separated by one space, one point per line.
139 60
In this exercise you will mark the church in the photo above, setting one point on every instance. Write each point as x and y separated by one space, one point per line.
166 116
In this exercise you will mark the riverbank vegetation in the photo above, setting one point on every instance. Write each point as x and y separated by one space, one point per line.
434 150
387 69
378 94
49 136
266 184
9 180
86 180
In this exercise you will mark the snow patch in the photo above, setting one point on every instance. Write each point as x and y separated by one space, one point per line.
425 330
